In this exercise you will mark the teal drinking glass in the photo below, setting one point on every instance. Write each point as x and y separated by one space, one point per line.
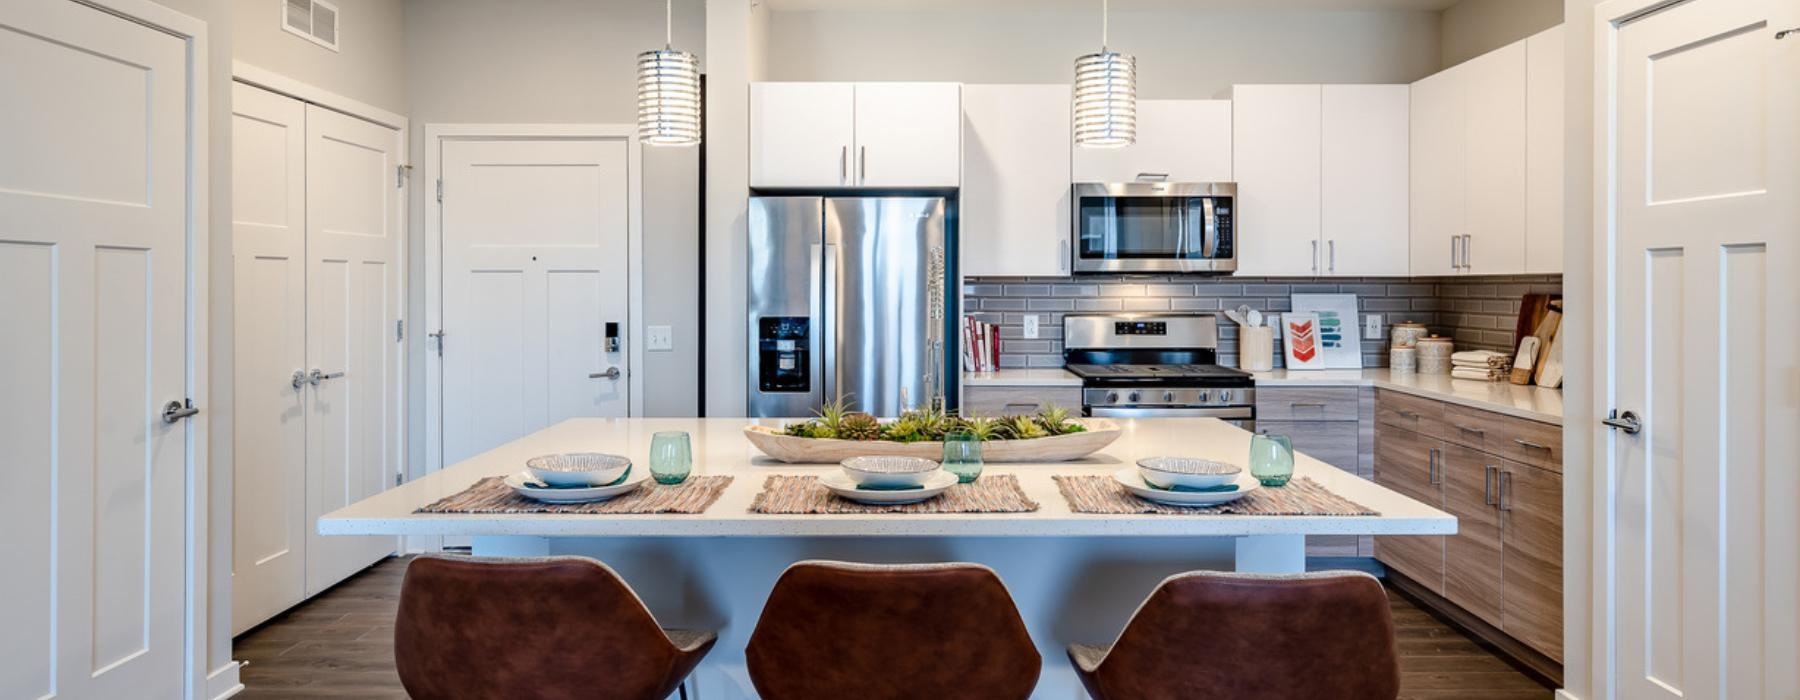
671 457
962 455
1271 459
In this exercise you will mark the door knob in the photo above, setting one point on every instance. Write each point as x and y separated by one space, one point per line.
299 378
177 410
1627 421
319 376
610 373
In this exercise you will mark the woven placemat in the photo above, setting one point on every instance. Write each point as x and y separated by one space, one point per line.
804 495
492 495
1302 496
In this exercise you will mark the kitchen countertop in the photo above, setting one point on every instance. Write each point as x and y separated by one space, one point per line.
1530 402
721 448
1021 377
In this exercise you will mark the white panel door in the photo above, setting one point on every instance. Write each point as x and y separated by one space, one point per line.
1015 192
1364 179
353 248
801 134
1494 214
908 134
1184 140
93 273
1544 157
1439 156
268 228
534 241
1703 280
1275 159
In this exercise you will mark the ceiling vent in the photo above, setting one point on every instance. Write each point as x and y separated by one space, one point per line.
315 20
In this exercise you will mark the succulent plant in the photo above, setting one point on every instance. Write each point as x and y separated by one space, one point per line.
830 419
798 429
906 428
981 427
859 426
1054 420
1022 428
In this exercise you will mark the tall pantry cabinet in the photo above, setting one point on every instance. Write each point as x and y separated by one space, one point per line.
317 242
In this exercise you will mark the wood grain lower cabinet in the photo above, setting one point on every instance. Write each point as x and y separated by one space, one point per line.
1504 564
1018 400
1331 442
1531 566
1472 555
1326 424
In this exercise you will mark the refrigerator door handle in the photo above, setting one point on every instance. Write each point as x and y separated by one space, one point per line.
828 331
817 340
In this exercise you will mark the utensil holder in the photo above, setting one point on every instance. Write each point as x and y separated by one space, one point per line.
1256 348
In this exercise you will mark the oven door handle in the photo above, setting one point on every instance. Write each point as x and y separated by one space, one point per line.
1227 412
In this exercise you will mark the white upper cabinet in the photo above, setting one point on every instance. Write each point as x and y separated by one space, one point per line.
818 135
1365 180
1544 152
801 134
1177 140
1322 179
1438 155
1275 159
908 134
1495 218
1015 194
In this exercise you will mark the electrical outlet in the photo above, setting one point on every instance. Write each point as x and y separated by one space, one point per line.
659 338
1372 326
1031 325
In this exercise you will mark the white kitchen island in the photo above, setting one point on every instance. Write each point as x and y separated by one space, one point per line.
1076 577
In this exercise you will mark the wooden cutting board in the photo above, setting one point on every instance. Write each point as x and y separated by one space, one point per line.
1546 332
1550 371
1531 313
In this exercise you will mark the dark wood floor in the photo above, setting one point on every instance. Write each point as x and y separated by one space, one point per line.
340 645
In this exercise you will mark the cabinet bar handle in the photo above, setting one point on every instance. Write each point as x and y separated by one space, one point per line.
1407 414
1466 429
862 164
1431 472
1505 490
1530 445
1455 260
1331 246
844 164
1298 404
1487 484
1315 256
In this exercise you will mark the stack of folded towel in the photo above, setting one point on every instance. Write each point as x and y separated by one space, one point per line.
1480 365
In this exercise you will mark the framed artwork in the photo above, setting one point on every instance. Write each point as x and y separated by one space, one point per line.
1300 340
1340 339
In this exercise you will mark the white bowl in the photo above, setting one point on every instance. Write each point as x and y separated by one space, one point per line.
1133 481
1187 472
889 472
522 484
935 483
577 469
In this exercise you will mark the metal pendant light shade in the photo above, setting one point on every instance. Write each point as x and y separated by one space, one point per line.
668 94
1105 95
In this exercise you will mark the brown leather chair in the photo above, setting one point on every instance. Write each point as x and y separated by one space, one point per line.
1251 637
559 627
888 632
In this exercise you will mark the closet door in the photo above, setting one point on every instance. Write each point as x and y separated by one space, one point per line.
268 228
353 247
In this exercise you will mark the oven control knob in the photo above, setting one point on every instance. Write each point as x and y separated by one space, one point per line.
1225 396
1133 398
1112 397
1168 397
1205 396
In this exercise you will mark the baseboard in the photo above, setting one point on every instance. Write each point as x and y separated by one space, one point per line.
1565 695
1528 660
223 682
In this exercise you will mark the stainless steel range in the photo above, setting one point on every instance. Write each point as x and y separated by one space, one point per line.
1155 365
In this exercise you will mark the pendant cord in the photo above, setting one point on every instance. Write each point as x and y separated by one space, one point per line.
669 25
1105 18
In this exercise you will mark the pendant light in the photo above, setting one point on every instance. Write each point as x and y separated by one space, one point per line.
1105 95
668 92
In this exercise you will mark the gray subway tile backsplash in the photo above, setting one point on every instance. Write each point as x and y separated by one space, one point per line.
1479 312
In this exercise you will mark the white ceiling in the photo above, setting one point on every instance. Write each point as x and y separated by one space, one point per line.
1117 5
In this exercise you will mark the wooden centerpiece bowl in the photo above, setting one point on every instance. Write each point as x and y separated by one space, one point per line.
1098 433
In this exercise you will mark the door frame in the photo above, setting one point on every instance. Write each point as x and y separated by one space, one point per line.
435 136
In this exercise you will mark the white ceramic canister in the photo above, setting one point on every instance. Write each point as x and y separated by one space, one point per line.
1407 333
1434 354
1403 360
1256 348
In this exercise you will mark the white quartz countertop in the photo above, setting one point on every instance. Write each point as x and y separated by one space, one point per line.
1021 377
720 448
1530 402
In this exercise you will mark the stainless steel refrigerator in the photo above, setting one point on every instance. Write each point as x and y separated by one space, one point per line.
849 297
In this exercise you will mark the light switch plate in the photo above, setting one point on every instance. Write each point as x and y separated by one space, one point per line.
1372 326
1031 325
659 338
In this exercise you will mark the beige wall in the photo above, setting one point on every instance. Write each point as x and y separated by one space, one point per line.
369 65
1180 53
562 61
1583 669
737 44
1474 27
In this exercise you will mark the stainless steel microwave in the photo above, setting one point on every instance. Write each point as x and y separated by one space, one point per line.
1155 227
